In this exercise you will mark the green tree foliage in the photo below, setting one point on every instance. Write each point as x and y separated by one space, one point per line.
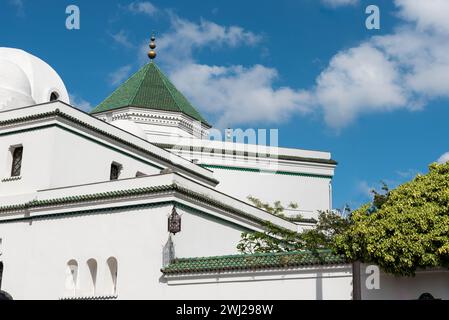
276 239
380 198
277 208
403 229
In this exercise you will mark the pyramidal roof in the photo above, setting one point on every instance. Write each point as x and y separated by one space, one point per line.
149 88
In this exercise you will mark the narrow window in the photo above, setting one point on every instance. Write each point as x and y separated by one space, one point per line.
113 267
54 96
1 274
72 277
16 161
115 171
93 267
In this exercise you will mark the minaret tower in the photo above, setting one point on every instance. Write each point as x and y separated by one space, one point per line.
149 106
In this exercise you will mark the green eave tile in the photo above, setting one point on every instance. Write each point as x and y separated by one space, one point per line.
253 262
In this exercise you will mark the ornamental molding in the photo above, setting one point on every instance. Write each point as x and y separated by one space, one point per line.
148 116
209 203
11 179
341 270
245 154
58 114
278 172
106 297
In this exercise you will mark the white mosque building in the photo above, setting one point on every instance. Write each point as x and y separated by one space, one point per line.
133 201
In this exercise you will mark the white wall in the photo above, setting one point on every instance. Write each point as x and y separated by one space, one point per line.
35 253
307 182
38 146
310 193
323 283
435 282
77 160
53 157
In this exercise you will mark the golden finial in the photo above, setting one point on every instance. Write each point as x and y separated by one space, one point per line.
152 54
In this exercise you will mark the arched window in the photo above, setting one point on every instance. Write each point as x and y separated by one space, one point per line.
116 168
93 267
54 96
16 167
113 268
72 277
1 274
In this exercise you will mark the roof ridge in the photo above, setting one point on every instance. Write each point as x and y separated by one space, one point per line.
114 91
266 254
170 86
163 79
141 82
239 263
150 88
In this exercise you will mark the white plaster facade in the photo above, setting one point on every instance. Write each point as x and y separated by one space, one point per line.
68 232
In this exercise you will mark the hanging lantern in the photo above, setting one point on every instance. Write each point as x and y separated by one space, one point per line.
174 222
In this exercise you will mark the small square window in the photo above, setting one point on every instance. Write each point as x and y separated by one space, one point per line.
115 171
16 167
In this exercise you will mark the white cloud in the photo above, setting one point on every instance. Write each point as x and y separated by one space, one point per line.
407 174
339 3
177 46
121 74
239 95
428 15
122 39
358 81
365 189
444 158
142 7
403 70
80 103
235 94
19 5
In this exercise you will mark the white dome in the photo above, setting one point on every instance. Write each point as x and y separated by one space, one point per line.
130 127
27 80
15 88
13 78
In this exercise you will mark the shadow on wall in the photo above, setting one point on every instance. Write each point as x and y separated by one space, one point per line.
319 286
3 295
85 282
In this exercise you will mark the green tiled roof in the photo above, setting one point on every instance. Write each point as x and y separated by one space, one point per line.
253 262
149 88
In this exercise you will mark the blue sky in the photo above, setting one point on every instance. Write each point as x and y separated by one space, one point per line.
376 99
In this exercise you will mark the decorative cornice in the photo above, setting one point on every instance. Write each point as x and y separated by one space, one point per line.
36 204
253 262
146 116
302 220
288 173
107 297
12 179
58 113
33 117
248 154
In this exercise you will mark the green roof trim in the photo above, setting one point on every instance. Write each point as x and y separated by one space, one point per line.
149 88
247 154
110 210
130 193
285 173
251 262
58 113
